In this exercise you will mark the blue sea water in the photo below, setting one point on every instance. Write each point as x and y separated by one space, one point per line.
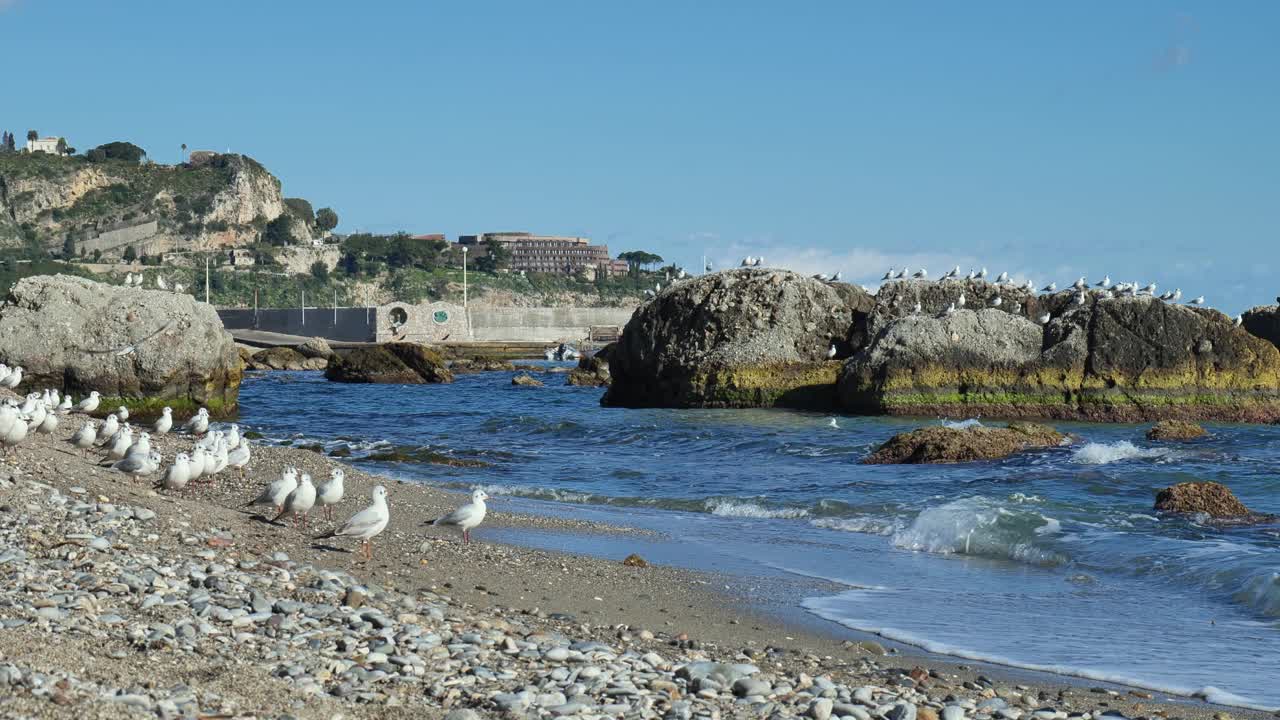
1051 560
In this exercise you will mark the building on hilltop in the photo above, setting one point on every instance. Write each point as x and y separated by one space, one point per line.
46 145
428 237
553 254
200 157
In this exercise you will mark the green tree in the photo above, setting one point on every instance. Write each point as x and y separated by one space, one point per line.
97 255
302 209
326 219
32 135
638 259
62 146
130 254
124 151
69 247
351 263
320 271
184 152
277 232
497 257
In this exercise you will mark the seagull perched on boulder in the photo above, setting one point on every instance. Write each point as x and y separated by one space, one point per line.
1051 287
920 274
1197 301
1104 283
995 302
1002 278
1045 318
960 301
831 351
888 276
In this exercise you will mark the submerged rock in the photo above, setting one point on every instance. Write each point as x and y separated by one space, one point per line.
390 363
481 364
78 335
1175 430
1211 498
1119 360
941 444
526 381
739 338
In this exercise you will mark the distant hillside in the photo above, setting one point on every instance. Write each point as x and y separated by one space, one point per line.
82 204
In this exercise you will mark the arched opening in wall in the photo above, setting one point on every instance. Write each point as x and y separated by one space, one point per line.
398 316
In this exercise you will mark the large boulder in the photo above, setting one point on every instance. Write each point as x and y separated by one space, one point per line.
1127 359
316 347
593 368
141 348
942 444
392 363
1210 498
738 338
1174 430
279 358
897 299
1263 322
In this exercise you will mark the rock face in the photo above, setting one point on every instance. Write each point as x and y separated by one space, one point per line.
1175 430
1264 322
279 358
1123 359
391 363
941 444
71 333
1215 500
316 347
738 338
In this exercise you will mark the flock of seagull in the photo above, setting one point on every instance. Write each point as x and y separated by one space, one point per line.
293 495
136 281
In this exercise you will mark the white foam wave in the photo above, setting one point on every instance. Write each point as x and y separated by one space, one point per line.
866 524
962 424
537 493
1103 453
1263 593
740 508
827 608
977 526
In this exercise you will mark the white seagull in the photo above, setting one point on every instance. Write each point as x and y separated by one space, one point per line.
1044 319
90 403
831 351
164 423
85 436
1197 301
199 423
1002 278
278 491
299 502
1051 287
366 524
996 302
330 493
468 516
178 474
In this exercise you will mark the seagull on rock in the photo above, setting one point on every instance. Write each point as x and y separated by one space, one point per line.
1197 301
1044 319
995 302
468 516
831 351
1051 287
366 524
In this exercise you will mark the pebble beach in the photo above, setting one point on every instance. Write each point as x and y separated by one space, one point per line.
121 601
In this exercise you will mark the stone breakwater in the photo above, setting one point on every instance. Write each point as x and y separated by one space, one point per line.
753 337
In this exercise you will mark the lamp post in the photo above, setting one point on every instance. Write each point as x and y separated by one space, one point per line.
465 312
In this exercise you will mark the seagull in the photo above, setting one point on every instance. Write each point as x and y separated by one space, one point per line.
199 423
821 278
233 436
1080 284
196 463
1104 283
949 274
901 274
8 414
14 378
1197 301
836 278
996 302
1044 319
110 427
49 425
960 301
164 423
1239 320
982 273
66 405
748 261
951 308
299 502
759 261
178 474
833 424
89 404
128 280
1150 289
138 465
1002 278
1051 287
1080 298
123 412
1177 294
916 309
366 524
831 351
887 276
85 436
119 447
1166 296
1030 286
16 433
278 491
238 457
178 287
331 492
160 283
920 274
468 516
649 294
972 274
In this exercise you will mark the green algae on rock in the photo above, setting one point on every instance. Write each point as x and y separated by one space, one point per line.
943 444
1175 430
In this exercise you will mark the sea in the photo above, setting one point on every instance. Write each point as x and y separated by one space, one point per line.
1049 561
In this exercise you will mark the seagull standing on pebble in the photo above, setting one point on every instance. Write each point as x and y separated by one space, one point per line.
468 516
366 524
238 457
199 423
330 493
178 474
278 491
85 436
299 502
90 403
164 423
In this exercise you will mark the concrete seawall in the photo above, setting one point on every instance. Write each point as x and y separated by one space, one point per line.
541 324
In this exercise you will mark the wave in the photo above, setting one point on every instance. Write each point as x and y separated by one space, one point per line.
1262 593
826 608
962 424
868 525
740 508
1102 453
981 527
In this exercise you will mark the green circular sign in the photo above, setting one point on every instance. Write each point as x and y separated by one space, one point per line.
441 316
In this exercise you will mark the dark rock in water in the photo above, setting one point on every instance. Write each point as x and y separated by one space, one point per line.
1215 500
392 363
316 347
1263 322
1119 360
739 338
941 444
1175 430
526 381
280 358
593 370
480 364
421 455
340 452
634 560
129 344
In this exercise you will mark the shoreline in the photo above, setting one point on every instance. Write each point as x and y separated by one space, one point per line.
595 599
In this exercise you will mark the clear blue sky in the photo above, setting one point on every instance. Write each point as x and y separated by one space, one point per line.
1140 139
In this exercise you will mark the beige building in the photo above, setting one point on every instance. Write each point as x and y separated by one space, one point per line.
553 254
421 322
47 145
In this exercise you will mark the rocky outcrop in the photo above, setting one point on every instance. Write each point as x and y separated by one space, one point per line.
222 202
142 348
593 369
481 364
1263 322
285 358
390 363
316 347
738 338
1210 498
1166 430
526 381
1123 359
942 444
